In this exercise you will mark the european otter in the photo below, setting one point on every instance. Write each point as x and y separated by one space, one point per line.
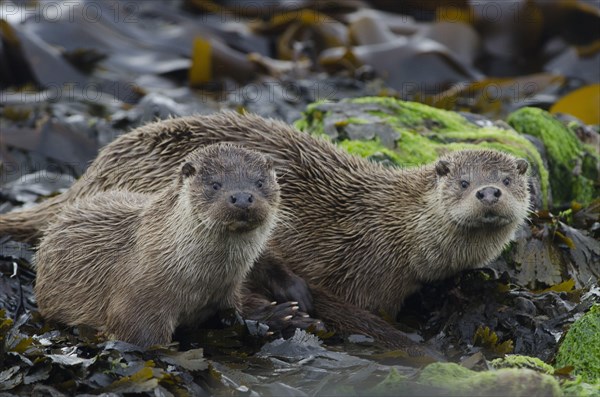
361 232
138 265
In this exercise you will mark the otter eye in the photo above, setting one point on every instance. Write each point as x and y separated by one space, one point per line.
506 181
259 184
464 184
216 185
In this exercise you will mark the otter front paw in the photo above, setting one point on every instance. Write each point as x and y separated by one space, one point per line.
284 317
293 288
271 278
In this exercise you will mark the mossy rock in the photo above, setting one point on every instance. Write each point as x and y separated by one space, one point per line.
573 165
409 133
459 381
579 388
575 387
518 361
581 347
450 379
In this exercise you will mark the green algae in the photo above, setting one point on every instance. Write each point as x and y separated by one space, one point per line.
415 150
573 166
459 381
575 387
514 382
414 116
450 376
578 388
392 384
581 347
518 361
312 119
370 149
561 143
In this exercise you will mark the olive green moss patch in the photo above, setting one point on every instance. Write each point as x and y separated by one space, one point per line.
581 347
459 381
573 166
518 361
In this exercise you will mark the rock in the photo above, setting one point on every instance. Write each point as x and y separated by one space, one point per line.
459 381
573 166
517 361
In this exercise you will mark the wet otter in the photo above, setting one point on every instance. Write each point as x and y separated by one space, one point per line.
362 233
138 265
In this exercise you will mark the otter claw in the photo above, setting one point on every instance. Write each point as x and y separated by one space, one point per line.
283 318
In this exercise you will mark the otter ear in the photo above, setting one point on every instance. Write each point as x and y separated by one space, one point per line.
270 162
188 170
442 168
522 166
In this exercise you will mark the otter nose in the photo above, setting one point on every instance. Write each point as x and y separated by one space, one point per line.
488 195
241 200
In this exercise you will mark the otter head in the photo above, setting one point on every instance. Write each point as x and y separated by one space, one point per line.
483 189
231 188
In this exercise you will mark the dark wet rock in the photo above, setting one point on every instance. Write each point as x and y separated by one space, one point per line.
361 340
53 145
477 119
550 255
532 321
64 363
355 123
156 106
14 250
256 329
16 284
52 70
285 99
586 133
281 389
320 370
30 187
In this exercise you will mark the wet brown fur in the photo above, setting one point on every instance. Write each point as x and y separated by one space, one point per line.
361 232
138 265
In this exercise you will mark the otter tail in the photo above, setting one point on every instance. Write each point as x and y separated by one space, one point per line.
346 318
28 225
